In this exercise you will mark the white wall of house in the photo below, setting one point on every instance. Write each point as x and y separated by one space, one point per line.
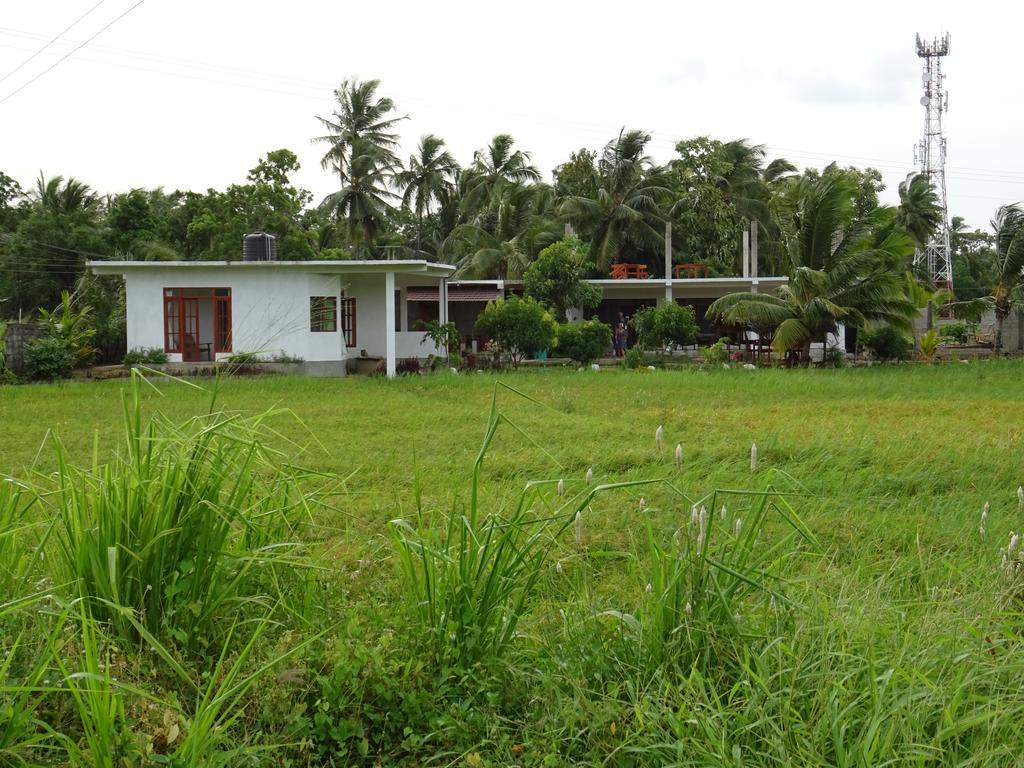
269 316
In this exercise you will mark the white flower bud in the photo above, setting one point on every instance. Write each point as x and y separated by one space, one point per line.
558 567
579 529
658 433
753 457
648 589
737 527
679 455
590 475
643 504
561 487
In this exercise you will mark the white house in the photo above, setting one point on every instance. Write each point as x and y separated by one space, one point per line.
328 312
323 312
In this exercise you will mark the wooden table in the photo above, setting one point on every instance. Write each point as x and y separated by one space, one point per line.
625 271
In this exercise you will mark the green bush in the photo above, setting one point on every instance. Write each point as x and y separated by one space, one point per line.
888 343
667 326
716 354
522 327
584 342
145 355
835 357
48 358
959 332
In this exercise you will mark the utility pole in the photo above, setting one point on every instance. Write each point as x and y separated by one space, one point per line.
930 156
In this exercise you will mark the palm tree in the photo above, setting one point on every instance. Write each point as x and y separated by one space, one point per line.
493 168
919 212
500 241
1007 293
625 213
61 196
359 116
362 153
364 196
846 269
429 178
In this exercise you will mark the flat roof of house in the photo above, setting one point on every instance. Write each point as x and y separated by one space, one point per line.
403 266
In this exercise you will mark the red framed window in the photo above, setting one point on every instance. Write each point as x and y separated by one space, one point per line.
197 321
348 321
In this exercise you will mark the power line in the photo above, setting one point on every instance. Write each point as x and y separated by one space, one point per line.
72 51
52 40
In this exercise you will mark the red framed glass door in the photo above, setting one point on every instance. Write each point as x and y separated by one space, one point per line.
190 330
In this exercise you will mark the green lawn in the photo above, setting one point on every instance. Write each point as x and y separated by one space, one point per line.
900 640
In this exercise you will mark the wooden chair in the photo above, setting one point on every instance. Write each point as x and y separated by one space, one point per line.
693 270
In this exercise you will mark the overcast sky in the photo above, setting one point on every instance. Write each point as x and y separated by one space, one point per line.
189 94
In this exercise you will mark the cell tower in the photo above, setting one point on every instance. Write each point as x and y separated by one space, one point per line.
930 156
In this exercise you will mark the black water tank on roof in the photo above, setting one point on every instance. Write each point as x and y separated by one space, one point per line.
259 246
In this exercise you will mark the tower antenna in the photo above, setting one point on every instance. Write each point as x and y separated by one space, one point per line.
930 156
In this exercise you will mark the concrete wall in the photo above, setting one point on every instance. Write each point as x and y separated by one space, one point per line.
16 336
270 313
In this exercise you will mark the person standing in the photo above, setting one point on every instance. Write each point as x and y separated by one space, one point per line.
621 334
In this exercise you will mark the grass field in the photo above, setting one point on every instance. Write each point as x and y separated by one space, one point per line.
844 609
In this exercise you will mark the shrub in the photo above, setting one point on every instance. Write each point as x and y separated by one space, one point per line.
716 354
584 342
48 358
523 327
834 356
243 358
71 322
145 355
284 357
888 343
929 344
667 326
441 335
959 332
408 366
634 358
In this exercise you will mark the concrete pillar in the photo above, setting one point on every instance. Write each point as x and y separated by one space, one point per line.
754 271
442 309
668 262
746 253
389 322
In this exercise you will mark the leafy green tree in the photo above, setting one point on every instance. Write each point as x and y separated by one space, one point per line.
847 268
584 342
974 259
129 221
523 327
430 178
11 195
666 326
57 229
558 278
624 218
578 176
718 188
